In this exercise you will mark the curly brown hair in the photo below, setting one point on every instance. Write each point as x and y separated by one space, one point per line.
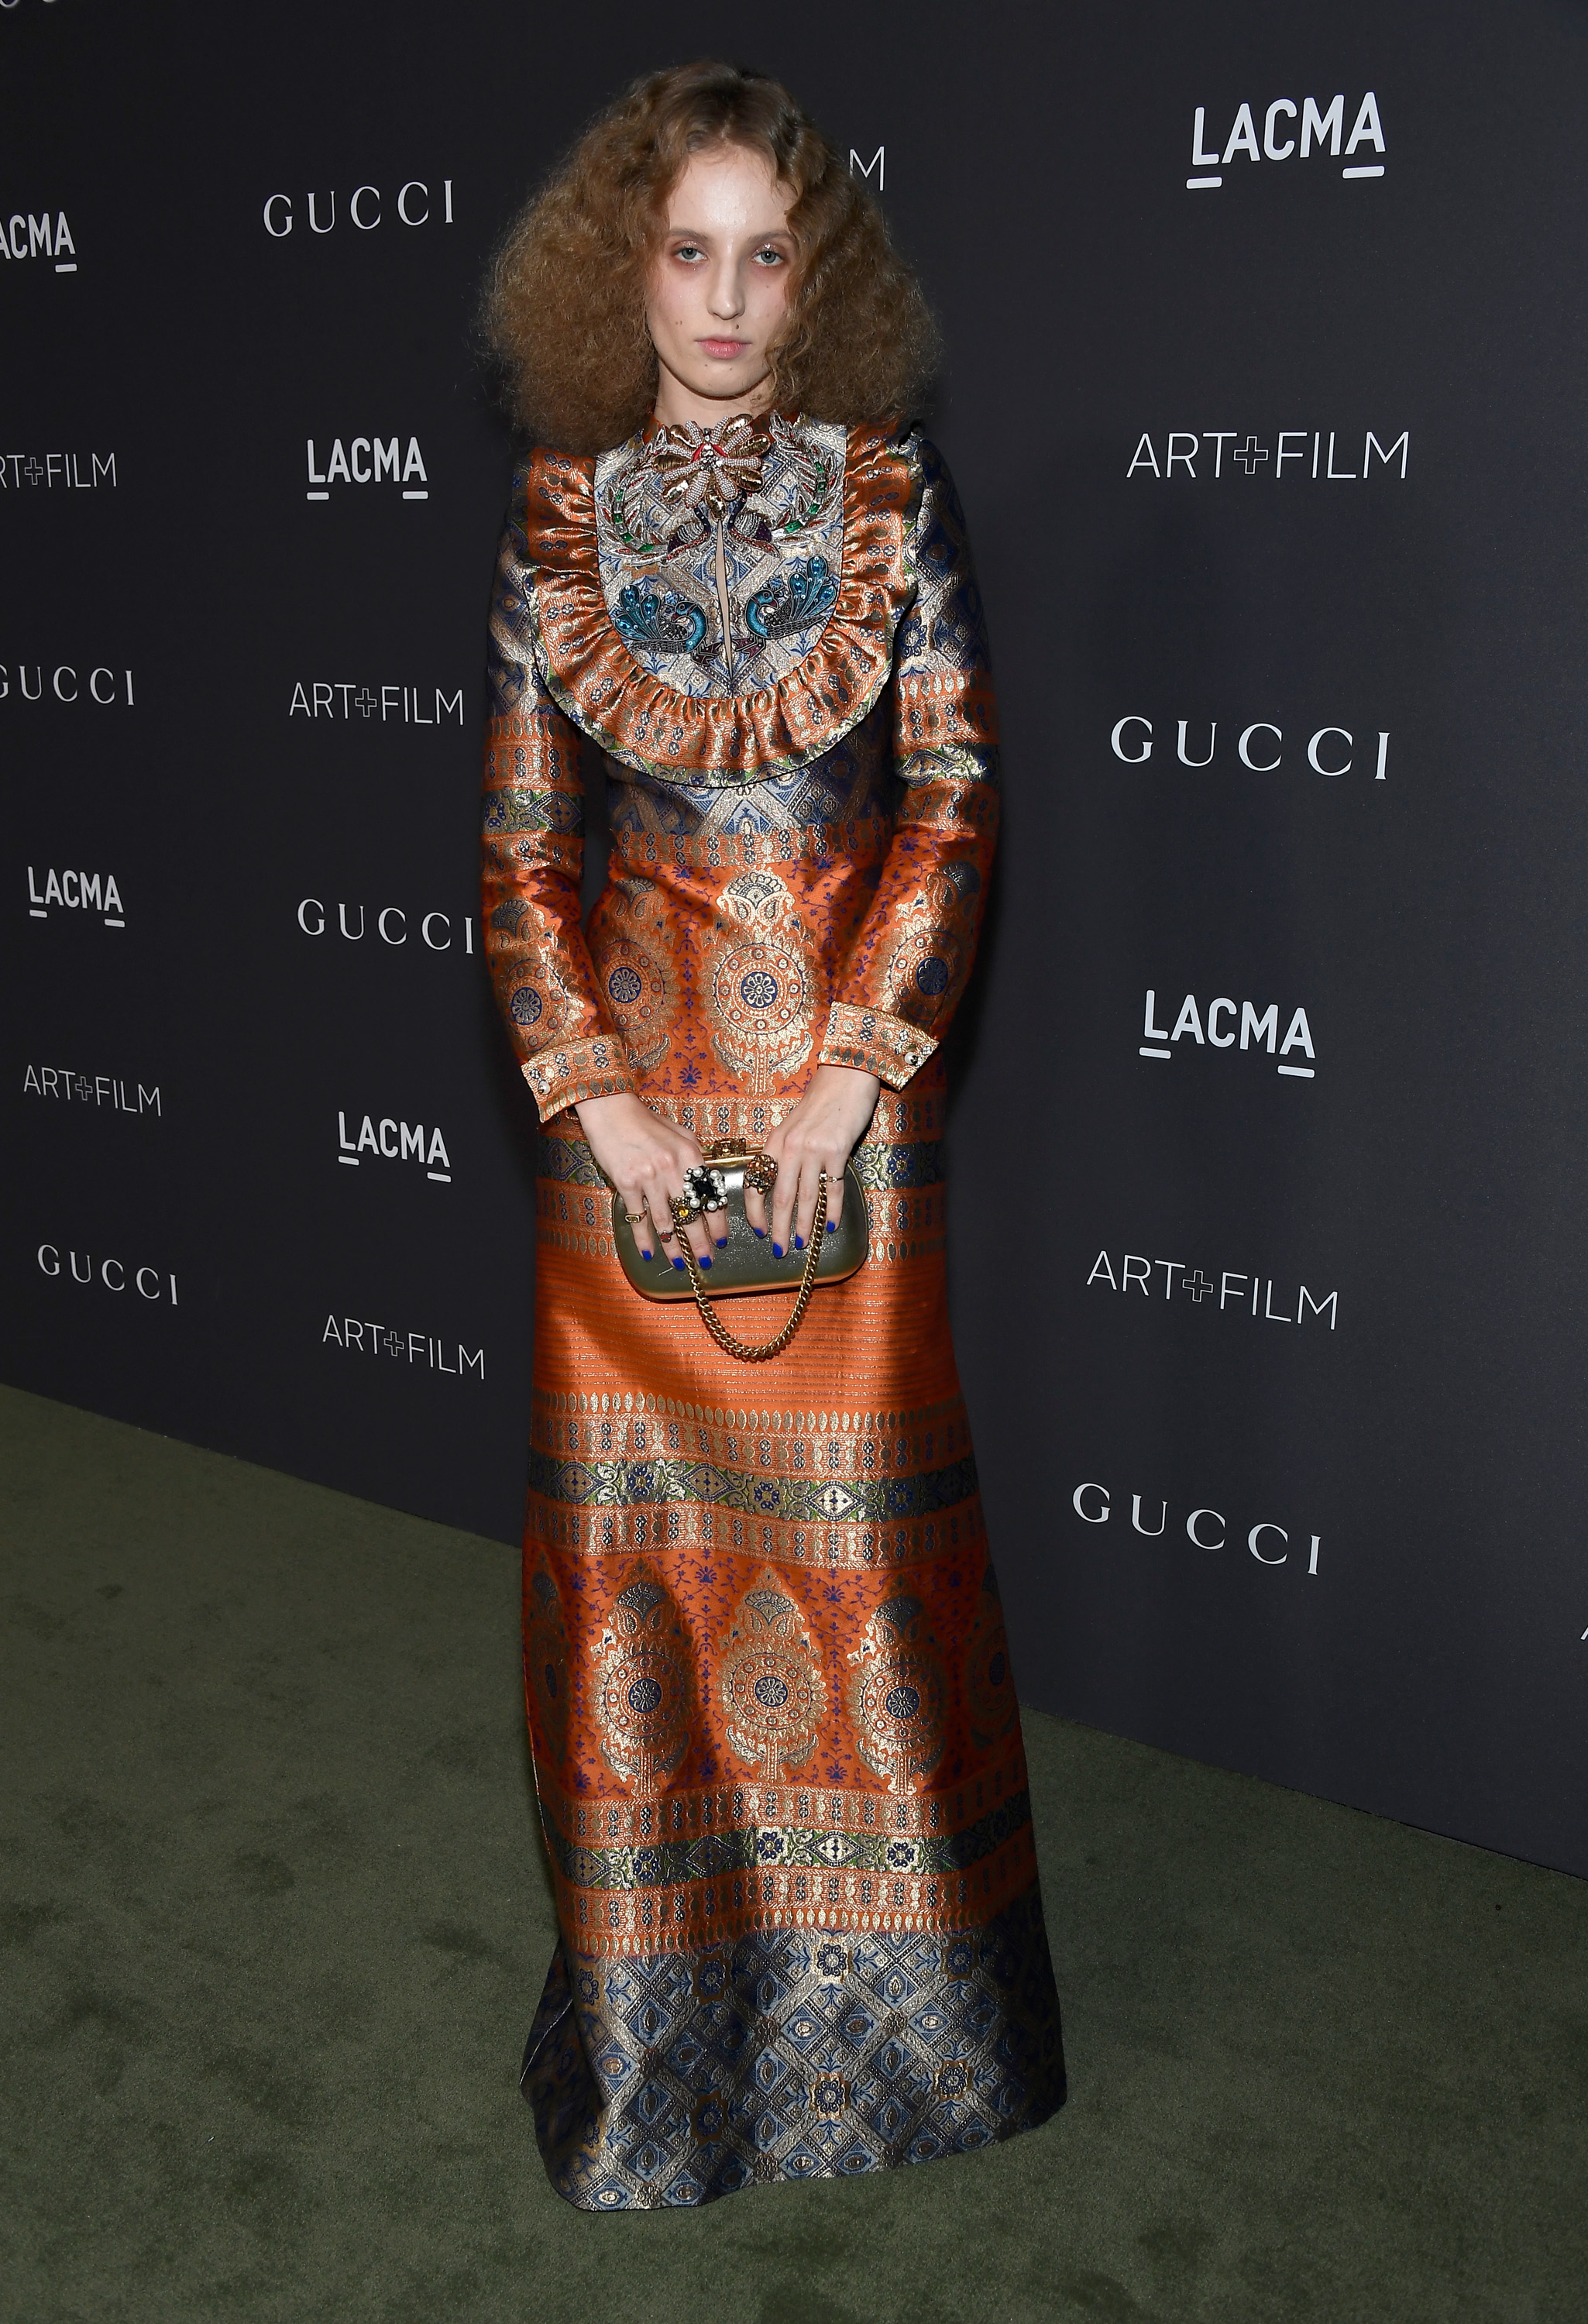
564 307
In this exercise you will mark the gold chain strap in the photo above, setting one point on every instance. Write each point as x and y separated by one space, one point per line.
758 1351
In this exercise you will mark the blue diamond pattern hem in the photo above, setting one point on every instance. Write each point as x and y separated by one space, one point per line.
666 2080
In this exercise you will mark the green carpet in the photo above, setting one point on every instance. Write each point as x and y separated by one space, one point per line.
275 1921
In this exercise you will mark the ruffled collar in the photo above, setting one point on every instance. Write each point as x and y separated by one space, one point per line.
665 711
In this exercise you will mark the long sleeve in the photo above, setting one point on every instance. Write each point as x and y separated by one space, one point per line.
533 858
902 976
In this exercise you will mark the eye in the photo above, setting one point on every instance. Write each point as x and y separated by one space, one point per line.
688 252
768 256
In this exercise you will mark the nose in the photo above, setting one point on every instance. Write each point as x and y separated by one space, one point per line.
726 299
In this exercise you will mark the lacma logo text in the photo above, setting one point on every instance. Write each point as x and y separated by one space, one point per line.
1288 130
1260 1028
395 1141
40 237
76 892
370 460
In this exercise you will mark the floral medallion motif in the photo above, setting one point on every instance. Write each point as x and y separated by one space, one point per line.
897 1696
922 970
643 1691
768 1682
641 997
758 986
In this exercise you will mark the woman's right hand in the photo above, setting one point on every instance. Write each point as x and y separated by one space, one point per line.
645 1158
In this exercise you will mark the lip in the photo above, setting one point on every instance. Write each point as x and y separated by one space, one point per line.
723 350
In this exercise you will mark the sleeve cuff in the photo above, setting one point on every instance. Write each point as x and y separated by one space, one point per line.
565 1077
875 1042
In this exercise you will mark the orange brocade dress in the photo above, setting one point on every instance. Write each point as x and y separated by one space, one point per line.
775 1735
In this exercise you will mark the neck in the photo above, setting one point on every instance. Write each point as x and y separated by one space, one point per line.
677 404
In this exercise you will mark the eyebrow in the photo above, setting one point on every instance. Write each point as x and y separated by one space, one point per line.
700 234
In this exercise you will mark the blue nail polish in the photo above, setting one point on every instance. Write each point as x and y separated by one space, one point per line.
680 1265
722 1243
832 1226
799 1242
760 1231
777 1251
644 1254
706 1259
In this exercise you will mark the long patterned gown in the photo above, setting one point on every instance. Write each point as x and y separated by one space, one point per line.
776 1739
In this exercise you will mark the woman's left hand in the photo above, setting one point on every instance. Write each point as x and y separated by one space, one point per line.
819 1133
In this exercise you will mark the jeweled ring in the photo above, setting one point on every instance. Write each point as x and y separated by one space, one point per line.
705 1189
633 1217
683 1209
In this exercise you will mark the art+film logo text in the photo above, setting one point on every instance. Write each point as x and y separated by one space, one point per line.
346 699
1310 455
1136 1273
356 1337
67 1085
71 472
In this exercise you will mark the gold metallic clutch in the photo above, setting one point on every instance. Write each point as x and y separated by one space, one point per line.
748 1264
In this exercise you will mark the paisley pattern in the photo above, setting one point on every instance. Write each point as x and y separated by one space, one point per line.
898 1697
643 1691
777 1751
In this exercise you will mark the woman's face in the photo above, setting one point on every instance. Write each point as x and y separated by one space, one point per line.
719 287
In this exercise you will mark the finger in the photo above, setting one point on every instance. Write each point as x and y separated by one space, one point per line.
664 1227
759 1204
785 1197
637 1212
805 1216
834 1198
715 1223
694 1232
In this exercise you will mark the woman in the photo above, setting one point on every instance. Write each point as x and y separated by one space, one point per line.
775 1736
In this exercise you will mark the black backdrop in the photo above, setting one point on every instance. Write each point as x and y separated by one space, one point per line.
1275 1372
